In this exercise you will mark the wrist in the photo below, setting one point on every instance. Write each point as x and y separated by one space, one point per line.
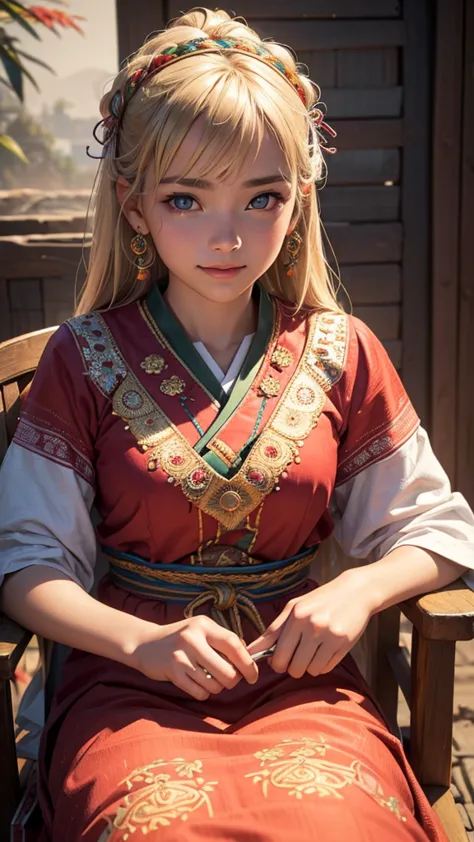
135 632
362 588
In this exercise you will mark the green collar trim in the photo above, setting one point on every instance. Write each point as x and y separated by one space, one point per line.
181 344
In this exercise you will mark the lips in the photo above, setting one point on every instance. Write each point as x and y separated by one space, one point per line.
222 268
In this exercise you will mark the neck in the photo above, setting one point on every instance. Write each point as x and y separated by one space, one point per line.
219 326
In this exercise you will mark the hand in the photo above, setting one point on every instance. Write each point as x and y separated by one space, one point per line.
315 631
182 652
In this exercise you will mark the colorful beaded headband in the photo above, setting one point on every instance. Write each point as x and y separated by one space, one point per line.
110 125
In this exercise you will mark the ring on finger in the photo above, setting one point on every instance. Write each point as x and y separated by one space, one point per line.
206 672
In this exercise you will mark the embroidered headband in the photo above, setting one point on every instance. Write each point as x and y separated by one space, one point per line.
111 124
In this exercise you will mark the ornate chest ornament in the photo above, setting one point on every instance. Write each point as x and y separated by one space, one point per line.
281 358
154 364
296 414
173 386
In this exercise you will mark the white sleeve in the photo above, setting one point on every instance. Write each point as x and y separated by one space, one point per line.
405 498
45 517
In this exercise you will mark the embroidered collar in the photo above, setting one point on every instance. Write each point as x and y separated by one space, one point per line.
181 346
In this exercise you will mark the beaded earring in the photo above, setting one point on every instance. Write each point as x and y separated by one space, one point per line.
143 262
293 246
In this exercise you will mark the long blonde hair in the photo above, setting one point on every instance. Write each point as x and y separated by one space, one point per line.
241 97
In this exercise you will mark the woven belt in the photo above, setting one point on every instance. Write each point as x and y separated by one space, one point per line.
231 588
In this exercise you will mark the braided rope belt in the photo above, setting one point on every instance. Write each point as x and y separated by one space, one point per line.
233 589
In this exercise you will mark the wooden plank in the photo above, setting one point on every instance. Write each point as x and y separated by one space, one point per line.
5 319
136 21
45 224
25 294
308 9
58 297
416 205
21 355
442 801
26 321
363 102
394 348
24 257
446 614
445 237
360 204
321 66
4 441
364 166
367 68
383 320
9 779
386 688
367 134
432 709
465 452
373 283
366 243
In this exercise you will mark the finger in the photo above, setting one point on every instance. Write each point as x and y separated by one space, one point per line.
271 634
205 679
303 654
322 658
334 661
220 668
287 644
186 683
230 645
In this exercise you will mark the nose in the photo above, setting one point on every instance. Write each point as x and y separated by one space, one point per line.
225 239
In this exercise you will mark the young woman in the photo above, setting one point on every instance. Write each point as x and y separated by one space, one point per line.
225 417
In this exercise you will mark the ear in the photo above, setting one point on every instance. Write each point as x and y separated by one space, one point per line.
131 206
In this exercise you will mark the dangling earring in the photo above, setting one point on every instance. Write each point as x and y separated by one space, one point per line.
293 246
143 262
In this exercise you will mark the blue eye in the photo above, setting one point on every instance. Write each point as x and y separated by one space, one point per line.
182 202
262 201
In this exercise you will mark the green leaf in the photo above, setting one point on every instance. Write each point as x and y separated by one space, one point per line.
36 61
15 9
12 146
12 67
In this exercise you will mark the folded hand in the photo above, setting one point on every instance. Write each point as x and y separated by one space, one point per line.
316 630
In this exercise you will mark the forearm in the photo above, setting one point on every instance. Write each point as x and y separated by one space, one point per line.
50 604
405 572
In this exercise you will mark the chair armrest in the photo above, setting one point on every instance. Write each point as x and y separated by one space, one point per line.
13 641
446 614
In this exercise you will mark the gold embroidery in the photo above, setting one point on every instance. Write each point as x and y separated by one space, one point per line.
221 449
148 319
153 364
173 386
295 415
163 796
270 386
281 358
298 767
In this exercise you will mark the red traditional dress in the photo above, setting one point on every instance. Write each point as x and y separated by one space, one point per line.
214 501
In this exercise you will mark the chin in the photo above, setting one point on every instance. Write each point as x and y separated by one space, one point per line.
221 291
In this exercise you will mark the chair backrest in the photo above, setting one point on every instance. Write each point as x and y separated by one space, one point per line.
19 358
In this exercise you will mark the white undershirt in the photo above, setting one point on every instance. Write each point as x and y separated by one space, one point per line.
226 380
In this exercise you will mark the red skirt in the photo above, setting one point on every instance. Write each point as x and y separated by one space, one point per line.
283 759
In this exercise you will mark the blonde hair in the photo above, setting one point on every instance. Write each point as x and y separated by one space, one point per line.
241 96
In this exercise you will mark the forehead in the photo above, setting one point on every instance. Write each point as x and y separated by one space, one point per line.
261 156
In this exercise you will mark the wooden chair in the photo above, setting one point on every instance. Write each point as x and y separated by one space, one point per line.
439 620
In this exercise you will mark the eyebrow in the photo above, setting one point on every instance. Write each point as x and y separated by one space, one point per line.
202 184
